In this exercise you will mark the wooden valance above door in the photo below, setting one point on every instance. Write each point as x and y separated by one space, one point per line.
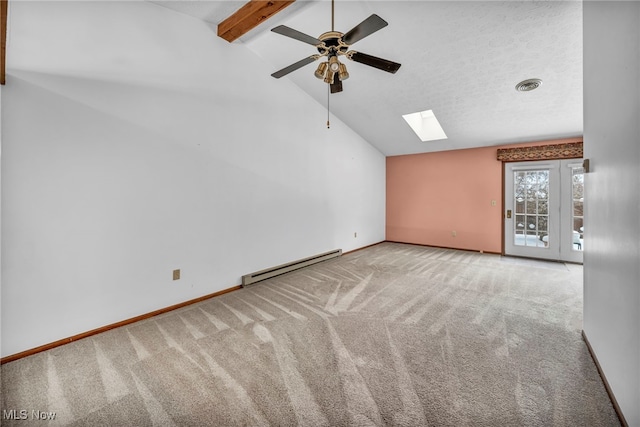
571 150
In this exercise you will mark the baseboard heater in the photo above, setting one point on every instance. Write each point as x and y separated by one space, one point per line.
248 279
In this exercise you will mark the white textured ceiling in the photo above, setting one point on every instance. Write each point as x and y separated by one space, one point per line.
460 59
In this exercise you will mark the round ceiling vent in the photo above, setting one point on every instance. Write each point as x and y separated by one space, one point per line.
528 85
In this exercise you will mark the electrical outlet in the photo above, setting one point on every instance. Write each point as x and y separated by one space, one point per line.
493 203
176 274
454 234
355 234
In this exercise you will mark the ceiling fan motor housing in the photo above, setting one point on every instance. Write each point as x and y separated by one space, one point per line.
332 43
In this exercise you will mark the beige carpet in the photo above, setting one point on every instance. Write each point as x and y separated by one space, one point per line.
391 335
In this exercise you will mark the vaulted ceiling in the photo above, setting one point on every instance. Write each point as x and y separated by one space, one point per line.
460 59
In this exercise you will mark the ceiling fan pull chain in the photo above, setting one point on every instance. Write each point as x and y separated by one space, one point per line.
328 97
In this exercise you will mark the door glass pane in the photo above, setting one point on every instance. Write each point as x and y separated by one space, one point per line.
531 205
543 207
577 213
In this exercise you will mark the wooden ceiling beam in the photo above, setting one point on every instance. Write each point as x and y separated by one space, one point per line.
249 16
3 39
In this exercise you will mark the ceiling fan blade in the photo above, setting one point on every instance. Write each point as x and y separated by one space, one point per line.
372 61
295 34
294 66
364 29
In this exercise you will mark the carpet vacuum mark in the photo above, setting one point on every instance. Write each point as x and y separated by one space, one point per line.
394 334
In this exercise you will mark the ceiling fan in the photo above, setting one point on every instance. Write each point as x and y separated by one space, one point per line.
334 44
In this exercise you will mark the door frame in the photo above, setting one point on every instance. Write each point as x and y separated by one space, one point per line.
566 252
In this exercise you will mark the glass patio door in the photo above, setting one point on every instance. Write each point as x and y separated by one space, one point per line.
543 210
572 220
532 226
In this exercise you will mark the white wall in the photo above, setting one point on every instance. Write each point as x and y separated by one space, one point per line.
612 228
136 142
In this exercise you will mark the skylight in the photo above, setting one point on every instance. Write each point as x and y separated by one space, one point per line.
425 125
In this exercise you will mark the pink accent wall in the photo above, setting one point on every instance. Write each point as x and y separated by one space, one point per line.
430 195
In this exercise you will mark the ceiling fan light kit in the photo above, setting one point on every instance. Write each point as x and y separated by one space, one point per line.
322 70
334 44
344 74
